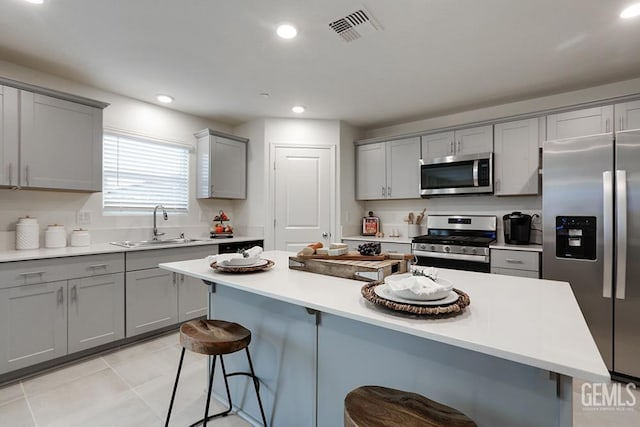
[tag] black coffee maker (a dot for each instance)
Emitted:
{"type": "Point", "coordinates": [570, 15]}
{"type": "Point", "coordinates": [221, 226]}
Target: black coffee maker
{"type": "Point", "coordinates": [517, 228]}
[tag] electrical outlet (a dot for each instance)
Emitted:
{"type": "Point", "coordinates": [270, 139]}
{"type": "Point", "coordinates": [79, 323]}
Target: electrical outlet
{"type": "Point", "coordinates": [83, 218]}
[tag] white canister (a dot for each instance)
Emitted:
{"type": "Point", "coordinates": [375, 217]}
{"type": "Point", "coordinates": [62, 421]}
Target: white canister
{"type": "Point", "coordinates": [55, 236]}
{"type": "Point", "coordinates": [27, 233]}
{"type": "Point", "coordinates": [80, 237]}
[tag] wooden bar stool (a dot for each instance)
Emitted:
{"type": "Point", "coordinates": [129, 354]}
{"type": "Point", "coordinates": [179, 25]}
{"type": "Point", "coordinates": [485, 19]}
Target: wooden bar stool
{"type": "Point", "coordinates": [374, 406]}
{"type": "Point", "coordinates": [216, 338]}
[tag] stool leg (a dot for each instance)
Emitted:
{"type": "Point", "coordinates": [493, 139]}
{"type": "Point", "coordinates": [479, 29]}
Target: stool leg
{"type": "Point", "coordinates": [206, 406]}
{"type": "Point", "coordinates": [175, 387]}
{"type": "Point", "coordinates": [256, 385]}
{"type": "Point", "coordinates": [226, 385]}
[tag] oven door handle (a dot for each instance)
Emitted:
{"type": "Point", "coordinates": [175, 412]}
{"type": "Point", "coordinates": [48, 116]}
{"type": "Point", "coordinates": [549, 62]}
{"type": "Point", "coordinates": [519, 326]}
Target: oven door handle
{"type": "Point", "coordinates": [475, 173]}
{"type": "Point", "coordinates": [463, 257]}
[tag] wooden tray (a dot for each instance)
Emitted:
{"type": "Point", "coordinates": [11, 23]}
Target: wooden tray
{"type": "Point", "coordinates": [241, 269]}
{"type": "Point", "coordinates": [437, 310]}
{"type": "Point", "coordinates": [367, 270]}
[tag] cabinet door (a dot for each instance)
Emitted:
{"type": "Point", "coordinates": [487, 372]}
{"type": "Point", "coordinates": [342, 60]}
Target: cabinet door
{"type": "Point", "coordinates": [437, 145]}
{"type": "Point", "coordinates": [60, 144]}
{"type": "Point", "coordinates": [474, 140]}
{"type": "Point", "coordinates": [627, 115]}
{"type": "Point", "coordinates": [228, 168]}
{"type": "Point", "coordinates": [96, 311]}
{"type": "Point", "coordinates": [8, 136]}
{"type": "Point", "coordinates": [151, 300]}
{"type": "Point", "coordinates": [371, 182]}
{"type": "Point", "coordinates": [516, 158]}
{"type": "Point", "coordinates": [403, 169]}
{"type": "Point", "coordinates": [589, 121]}
{"type": "Point", "coordinates": [192, 298]}
{"type": "Point", "coordinates": [33, 324]}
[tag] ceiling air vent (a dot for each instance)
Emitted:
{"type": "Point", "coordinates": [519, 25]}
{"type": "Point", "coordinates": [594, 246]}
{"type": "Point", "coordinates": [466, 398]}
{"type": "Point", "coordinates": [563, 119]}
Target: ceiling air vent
{"type": "Point", "coordinates": [355, 25]}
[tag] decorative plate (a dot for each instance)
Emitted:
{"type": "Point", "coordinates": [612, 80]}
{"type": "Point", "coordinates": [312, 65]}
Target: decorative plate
{"type": "Point", "coordinates": [243, 269]}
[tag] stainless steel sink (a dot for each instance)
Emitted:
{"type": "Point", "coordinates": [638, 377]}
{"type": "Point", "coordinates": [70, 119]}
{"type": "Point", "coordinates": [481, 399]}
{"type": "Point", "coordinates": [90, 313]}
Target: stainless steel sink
{"type": "Point", "coordinates": [158, 242]}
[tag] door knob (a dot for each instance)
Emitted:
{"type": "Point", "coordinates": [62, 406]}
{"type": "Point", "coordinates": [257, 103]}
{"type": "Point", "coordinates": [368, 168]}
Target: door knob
{"type": "Point", "coordinates": [326, 235]}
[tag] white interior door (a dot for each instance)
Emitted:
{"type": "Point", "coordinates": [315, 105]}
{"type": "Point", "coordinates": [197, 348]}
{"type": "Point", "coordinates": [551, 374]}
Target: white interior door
{"type": "Point", "coordinates": [304, 194]}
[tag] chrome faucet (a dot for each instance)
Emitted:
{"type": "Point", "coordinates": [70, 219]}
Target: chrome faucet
{"type": "Point", "coordinates": [155, 227]}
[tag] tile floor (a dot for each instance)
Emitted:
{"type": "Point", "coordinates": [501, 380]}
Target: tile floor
{"type": "Point", "coordinates": [132, 386]}
{"type": "Point", "coordinates": [128, 387]}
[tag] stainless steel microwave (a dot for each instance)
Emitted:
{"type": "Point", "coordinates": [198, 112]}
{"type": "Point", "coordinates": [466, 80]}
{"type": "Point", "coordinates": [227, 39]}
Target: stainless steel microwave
{"type": "Point", "coordinates": [468, 174]}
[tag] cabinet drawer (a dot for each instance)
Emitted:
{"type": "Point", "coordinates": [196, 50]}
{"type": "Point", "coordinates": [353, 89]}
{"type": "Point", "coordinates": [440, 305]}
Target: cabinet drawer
{"type": "Point", "coordinates": [400, 248]}
{"type": "Point", "coordinates": [52, 269]}
{"type": "Point", "coordinates": [142, 260]}
{"type": "Point", "coordinates": [518, 260]}
{"type": "Point", "coordinates": [514, 272]}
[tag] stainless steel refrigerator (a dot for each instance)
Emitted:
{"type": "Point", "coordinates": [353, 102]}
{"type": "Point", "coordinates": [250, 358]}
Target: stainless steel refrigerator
{"type": "Point", "coordinates": [591, 220]}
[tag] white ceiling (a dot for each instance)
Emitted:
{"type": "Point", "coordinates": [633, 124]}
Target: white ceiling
{"type": "Point", "coordinates": [433, 57]}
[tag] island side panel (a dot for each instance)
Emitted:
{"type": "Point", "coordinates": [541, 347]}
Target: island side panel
{"type": "Point", "coordinates": [492, 391]}
{"type": "Point", "coordinates": [283, 351]}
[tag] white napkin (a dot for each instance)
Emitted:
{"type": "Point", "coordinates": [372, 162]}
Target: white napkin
{"type": "Point", "coordinates": [222, 257]}
{"type": "Point", "coordinates": [419, 285]}
{"type": "Point", "coordinates": [253, 252]}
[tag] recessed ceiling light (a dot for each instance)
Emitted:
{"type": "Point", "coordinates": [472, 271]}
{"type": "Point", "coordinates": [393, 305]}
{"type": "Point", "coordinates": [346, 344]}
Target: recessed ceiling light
{"type": "Point", "coordinates": [35, 1]}
{"type": "Point", "coordinates": [631, 11]}
{"type": "Point", "coordinates": [165, 99]}
{"type": "Point", "coordinates": [286, 31]}
{"type": "Point", "coordinates": [298, 109]}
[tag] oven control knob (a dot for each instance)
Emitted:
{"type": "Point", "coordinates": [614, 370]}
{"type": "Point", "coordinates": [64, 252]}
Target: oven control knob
{"type": "Point", "coordinates": [447, 249]}
{"type": "Point", "coordinates": [473, 250]}
{"type": "Point", "coordinates": [432, 248]}
{"type": "Point", "coordinates": [464, 250]}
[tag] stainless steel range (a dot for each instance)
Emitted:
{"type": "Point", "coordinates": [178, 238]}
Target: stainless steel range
{"type": "Point", "coordinates": [458, 242]}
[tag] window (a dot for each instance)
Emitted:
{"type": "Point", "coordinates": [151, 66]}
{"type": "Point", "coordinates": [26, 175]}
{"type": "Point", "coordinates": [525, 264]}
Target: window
{"type": "Point", "coordinates": [140, 173]}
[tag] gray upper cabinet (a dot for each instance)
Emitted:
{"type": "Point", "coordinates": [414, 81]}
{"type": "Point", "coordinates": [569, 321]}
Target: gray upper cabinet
{"type": "Point", "coordinates": [516, 158]}
{"type": "Point", "coordinates": [60, 144]}
{"type": "Point", "coordinates": [221, 165]}
{"type": "Point", "coordinates": [8, 136]}
{"type": "Point", "coordinates": [388, 170]}
{"type": "Point", "coordinates": [627, 115]}
{"type": "Point", "coordinates": [50, 142]}
{"type": "Point", "coordinates": [588, 121]}
{"type": "Point", "coordinates": [459, 142]}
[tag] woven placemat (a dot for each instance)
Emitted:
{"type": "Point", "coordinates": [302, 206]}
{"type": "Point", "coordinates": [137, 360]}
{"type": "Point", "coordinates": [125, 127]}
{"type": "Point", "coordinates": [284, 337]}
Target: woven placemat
{"type": "Point", "coordinates": [432, 310]}
{"type": "Point", "coordinates": [239, 269]}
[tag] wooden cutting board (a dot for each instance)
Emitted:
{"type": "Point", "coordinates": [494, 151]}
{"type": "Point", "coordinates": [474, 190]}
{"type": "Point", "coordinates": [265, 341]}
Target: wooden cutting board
{"type": "Point", "coordinates": [350, 256]}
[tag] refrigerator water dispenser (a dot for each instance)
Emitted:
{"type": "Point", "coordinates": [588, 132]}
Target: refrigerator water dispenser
{"type": "Point", "coordinates": [576, 237]}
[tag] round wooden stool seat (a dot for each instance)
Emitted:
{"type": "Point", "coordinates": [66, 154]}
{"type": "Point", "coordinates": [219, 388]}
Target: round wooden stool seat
{"type": "Point", "coordinates": [374, 406]}
{"type": "Point", "coordinates": [214, 337]}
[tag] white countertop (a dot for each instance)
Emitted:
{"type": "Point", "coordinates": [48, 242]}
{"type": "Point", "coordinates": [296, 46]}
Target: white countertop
{"type": "Point", "coordinates": [530, 321]}
{"type": "Point", "coordinates": [528, 248]}
{"type": "Point", "coordinates": [103, 248]}
{"type": "Point", "coordinates": [380, 239]}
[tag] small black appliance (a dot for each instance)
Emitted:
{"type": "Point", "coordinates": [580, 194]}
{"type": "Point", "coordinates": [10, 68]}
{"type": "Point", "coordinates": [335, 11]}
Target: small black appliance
{"type": "Point", "coordinates": [517, 228]}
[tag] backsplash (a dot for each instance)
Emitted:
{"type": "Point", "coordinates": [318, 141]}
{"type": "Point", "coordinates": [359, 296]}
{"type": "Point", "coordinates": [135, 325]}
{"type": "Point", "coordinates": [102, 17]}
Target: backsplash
{"type": "Point", "coordinates": [63, 208]}
{"type": "Point", "coordinates": [392, 213]}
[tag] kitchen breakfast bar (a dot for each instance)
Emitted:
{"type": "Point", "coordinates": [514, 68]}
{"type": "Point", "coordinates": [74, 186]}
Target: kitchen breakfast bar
{"type": "Point", "coordinates": [509, 359]}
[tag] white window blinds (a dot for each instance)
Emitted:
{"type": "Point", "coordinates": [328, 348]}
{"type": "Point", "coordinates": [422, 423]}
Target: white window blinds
{"type": "Point", "coordinates": [140, 173]}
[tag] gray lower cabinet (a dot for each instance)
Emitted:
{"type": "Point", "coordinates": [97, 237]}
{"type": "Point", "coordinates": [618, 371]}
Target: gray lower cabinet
{"type": "Point", "coordinates": [156, 298]}
{"type": "Point", "coordinates": [95, 311]}
{"type": "Point", "coordinates": [192, 298]}
{"type": "Point", "coordinates": [515, 263]}
{"type": "Point", "coordinates": [152, 300]}
{"type": "Point", "coordinates": [33, 324]}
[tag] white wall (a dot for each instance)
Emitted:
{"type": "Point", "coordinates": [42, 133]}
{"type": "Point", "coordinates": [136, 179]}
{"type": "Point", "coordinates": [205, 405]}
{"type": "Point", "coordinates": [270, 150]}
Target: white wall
{"type": "Point", "coordinates": [256, 210]}
{"type": "Point", "coordinates": [350, 209]}
{"type": "Point", "coordinates": [125, 114]}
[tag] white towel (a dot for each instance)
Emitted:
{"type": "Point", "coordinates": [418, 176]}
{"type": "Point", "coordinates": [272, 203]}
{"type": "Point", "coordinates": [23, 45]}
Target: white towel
{"type": "Point", "coordinates": [253, 252]}
{"type": "Point", "coordinates": [222, 257]}
{"type": "Point", "coordinates": [420, 286]}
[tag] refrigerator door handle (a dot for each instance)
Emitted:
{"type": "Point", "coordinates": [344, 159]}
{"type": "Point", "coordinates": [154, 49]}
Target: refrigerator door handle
{"type": "Point", "coordinates": [621, 236]}
{"type": "Point", "coordinates": [607, 195]}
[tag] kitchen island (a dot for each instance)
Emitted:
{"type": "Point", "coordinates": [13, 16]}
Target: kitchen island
{"type": "Point", "coordinates": [508, 359]}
